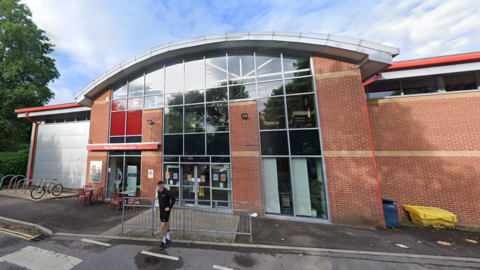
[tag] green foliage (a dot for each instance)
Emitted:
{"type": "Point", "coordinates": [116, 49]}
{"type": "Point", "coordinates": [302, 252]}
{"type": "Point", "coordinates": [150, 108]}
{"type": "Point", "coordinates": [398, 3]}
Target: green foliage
{"type": "Point", "coordinates": [25, 71]}
{"type": "Point", "coordinates": [14, 163]}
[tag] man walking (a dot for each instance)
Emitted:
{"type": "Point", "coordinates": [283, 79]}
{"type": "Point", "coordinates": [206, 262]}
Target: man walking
{"type": "Point", "coordinates": [166, 200]}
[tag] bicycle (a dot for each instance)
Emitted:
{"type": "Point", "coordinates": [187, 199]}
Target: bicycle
{"type": "Point", "coordinates": [51, 186]}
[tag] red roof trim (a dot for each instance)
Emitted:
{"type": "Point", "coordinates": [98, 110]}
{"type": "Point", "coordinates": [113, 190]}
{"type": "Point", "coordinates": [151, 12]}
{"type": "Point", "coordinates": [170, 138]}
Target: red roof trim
{"type": "Point", "coordinates": [48, 108]}
{"type": "Point", "coordinates": [435, 61]}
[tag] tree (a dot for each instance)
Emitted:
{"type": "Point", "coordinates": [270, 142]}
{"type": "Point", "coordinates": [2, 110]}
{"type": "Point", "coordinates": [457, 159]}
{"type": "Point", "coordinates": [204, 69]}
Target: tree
{"type": "Point", "coordinates": [25, 71]}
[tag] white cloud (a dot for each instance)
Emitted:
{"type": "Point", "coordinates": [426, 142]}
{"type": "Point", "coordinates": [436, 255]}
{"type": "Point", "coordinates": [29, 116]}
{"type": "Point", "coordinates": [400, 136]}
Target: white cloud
{"type": "Point", "coordinates": [93, 36]}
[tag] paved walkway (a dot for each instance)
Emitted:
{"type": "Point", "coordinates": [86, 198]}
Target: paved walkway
{"type": "Point", "coordinates": [26, 195]}
{"type": "Point", "coordinates": [60, 215]}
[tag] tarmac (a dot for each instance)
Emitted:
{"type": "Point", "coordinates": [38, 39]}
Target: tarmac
{"type": "Point", "coordinates": [63, 218]}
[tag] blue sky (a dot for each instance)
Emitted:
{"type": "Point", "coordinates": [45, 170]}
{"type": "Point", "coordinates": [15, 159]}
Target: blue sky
{"type": "Point", "coordinates": [92, 36]}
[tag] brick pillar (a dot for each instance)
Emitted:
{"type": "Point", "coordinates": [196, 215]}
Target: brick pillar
{"type": "Point", "coordinates": [246, 170]}
{"type": "Point", "coordinates": [99, 128]}
{"type": "Point", "coordinates": [152, 160]}
{"type": "Point", "coordinates": [352, 186]}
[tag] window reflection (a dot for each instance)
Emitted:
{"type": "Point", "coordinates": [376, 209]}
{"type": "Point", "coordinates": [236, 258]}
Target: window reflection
{"type": "Point", "coordinates": [269, 67]}
{"type": "Point", "coordinates": [173, 144]}
{"type": "Point", "coordinates": [195, 118]}
{"type": "Point", "coordinates": [217, 117]}
{"type": "Point", "coordinates": [119, 105]}
{"type": "Point", "coordinates": [271, 113]}
{"type": "Point", "coordinates": [120, 92]}
{"type": "Point", "coordinates": [301, 85]}
{"type": "Point", "coordinates": [296, 66]}
{"type": "Point", "coordinates": [301, 111]}
{"type": "Point", "coordinates": [460, 81]}
{"type": "Point", "coordinates": [242, 91]}
{"type": "Point", "coordinates": [268, 89]}
{"type": "Point", "coordinates": [194, 97]}
{"type": "Point", "coordinates": [384, 88]}
{"type": "Point", "coordinates": [135, 103]}
{"type": "Point", "coordinates": [305, 142]}
{"type": "Point", "coordinates": [174, 99]}
{"type": "Point", "coordinates": [217, 94]}
{"type": "Point", "coordinates": [174, 120]}
{"type": "Point", "coordinates": [155, 82]}
{"type": "Point", "coordinates": [174, 78]}
{"type": "Point", "coordinates": [216, 71]}
{"type": "Point", "coordinates": [195, 74]}
{"type": "Point", "coordinates": [419, 85]}
{"type": "Point", "coordinates": [135, 87]}
{"type": "Point", "coordinates": [153, 102]}
{"type": "Point", "coordinates": [241, 69]}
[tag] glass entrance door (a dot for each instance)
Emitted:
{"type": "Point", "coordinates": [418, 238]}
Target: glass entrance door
{"type": "Point", "coordinates": [196, 184]}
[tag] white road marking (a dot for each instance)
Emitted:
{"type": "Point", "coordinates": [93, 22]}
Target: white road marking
{"type": "Point", "coordinates": [40, 259]}
{"type": "Point", "coordinates": [95, 242]}
{"type": "Point", "coordinates": [221, 267]}
{"type": "Point", "coordinates": [159, 255]}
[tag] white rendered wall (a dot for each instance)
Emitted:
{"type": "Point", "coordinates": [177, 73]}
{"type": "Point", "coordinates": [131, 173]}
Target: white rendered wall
{"type": "Point", "coordinates": [61, 153]}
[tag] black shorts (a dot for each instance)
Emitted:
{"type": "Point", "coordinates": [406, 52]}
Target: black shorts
{"type": "Point", "coordinates": [164, 216]}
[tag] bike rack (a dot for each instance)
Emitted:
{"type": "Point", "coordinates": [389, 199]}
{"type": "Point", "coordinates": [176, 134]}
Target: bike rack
{"type": "Point", "coordinates": [18, 182]}
{"type": "Point", "coordinates": [1, 181]}
{"type": "Point", "coordinates": [25, 185]}
{"type": "Point", "coordinates": [14, 178]}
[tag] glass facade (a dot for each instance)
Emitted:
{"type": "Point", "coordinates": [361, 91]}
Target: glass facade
{"type": "Point", "coordinates": [195, 94]}
{"type": "Point", "coordinates": [125, 171]}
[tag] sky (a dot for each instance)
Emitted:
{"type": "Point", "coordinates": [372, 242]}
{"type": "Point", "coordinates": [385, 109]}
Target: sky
{"type": "Point", "coordinates": [92, 36]}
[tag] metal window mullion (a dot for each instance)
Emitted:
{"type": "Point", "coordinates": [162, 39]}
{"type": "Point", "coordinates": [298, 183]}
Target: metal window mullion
{"type": "Point", "coordinates": [477, 78]}
{"type": "Point", "coordinates": [288, 138]}
{"type": "Point", "coordinates": [401, 87]}
{"type": "Point", "coordinates": [325, 185]}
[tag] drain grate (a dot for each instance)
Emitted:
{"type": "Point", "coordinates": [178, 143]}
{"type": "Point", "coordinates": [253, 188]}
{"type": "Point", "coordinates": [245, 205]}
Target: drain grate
{"type": "Point", "coordinates": [40, 237]}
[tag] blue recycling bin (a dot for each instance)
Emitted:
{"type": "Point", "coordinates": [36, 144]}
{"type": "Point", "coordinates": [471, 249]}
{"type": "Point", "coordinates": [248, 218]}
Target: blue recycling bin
{"type": "Point", "coordinates": [390, 213]}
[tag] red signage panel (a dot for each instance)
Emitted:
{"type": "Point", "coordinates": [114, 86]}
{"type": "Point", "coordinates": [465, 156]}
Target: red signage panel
{"type": "Point", "coordinates": [123, 147]}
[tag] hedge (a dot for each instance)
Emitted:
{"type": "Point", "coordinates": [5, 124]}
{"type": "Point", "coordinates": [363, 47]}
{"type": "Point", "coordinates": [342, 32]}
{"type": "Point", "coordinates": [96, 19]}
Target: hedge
{"type": "Point", "coordinates": [13, 163]}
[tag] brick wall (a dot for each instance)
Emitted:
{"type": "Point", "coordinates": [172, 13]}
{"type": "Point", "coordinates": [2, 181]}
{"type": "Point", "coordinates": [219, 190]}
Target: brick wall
{"type": "Point", "coordinates": [246, 169]}
{"type": "Point", "coordinates": [428, 152]}
{"type": "Point", "coordinates": [99, 128]}
{"type": "Point", "coordinates": [352, 186]}
{"type": "Point", "coordinates": [152, 160]}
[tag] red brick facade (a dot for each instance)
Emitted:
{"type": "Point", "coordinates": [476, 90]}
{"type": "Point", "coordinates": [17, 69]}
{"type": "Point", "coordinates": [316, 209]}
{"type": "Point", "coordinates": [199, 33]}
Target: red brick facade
{"type": "Point", "coordinates": [152, 160]}
{"type": "Point", "coordinates": [246, 169]}
{"type": "Point", "coordinates": [427, 151]}
{"type": "Point", "coordinates": [99, 128]}
{"type": "Point", "coordinates": [352, 186]}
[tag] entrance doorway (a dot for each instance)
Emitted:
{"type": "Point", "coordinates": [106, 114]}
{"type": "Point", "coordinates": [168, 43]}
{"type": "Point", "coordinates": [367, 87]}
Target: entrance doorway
{"type": "Point", "coordinates": [196, 184]}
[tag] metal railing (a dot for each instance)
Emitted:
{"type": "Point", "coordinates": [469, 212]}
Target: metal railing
{"type": "Point", "coordinates": [216, 217]}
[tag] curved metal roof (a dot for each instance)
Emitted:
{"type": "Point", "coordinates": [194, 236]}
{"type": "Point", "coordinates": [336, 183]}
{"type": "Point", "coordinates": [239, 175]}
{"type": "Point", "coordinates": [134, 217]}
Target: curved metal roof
{"type": "Point", "coordinates": [371, 57]}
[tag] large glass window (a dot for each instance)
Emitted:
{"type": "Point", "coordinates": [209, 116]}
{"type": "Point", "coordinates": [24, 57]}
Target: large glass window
{"type": "Point", "coordinates": [274, 143]}
{"type": "Point", "coordinates": [300, 85]}
{"type": "Point", "coordinates": [296, 66]}
{"type": "Point", "coordinates": [243, 91]}
{"type": "Point", "coordinates": [153, 102]}
{"type": "Point", "coordinates": [174, 78]}
{"type": "Point", "coordinates": [195, 118]}
{"type": "Point", "coordinates": [194, 97]}
{"type": "Point", "coordinates": [217, 117]}
{"type": "Point", "coordinates": [309, 188]}
{"type": "Point", "coordinates": [173, 144]}
{"type": "Point", "coordinates": [155, 82]}
{"type": "Point", "coordinates": [304, 142]}
{"type": "Point", "coordinates": [277, 188]}
{"type": "Point", "coordinates": [174, 99]}
{"type": "Point", "coordinates": [173, 120]}
{"type": "Point", "coordinates": [195, 74]}
{"type": "Point", "coordinates": [195, 144]}
{"type": "Point", "coordinates": [268, 89]}
{"type": "Point", "coordinates": [271, 113]}
{"type": "Point", "coordinates": [301, 111]}
{"type": "Point", "coordinates": [241, 69]}
{"type": "Point", "coordinates": [218, 144]}
{"type": "Point", "coordinates": [217, 94]}
{"type": "Point", "coordinates": [269, 67]}
{"type": "Point", "coordinates": [216, 71]}
{"type": "Point", "coordinates": [120, 91]}
{"type": "Point", "coordinates": [135, 87]}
